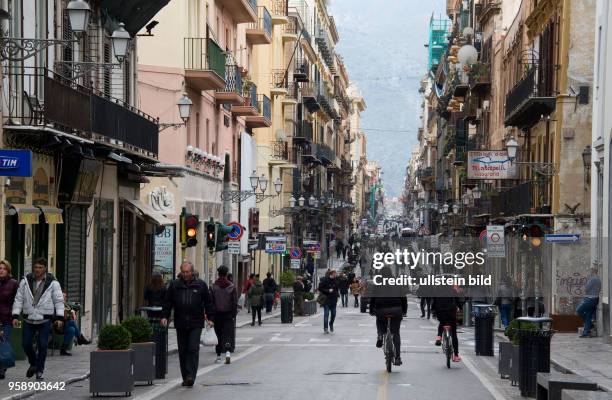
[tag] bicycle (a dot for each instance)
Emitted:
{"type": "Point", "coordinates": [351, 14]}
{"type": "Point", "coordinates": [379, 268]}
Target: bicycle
{"type": "Point", "coordinates": [388, 347]}
{"type": "Point", "coordinates": [447, 345]}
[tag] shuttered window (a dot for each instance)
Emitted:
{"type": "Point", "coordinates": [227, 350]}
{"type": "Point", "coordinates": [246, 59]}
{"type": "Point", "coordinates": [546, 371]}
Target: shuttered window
{"type": "Point", "coordinates": [75, 250]}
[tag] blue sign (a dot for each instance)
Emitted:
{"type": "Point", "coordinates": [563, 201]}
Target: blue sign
{"type": "Point", "coordinates": [237, 231]}
{"type": "Point", "coordinates": [562, 237]}
{"type": "Point", "coordinates": [16, 163]}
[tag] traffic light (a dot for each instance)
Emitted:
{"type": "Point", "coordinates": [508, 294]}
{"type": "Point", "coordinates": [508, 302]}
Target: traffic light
{"type": "Point", "coordinates": [222, 232]}
{"type": "Point", "coordinates": [532, 235]}
{"type": "Point", "coordinates": [211, 230]}
{"type": "Point", "coordinates": [191, 222]}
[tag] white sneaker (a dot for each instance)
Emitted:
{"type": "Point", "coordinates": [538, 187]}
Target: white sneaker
{"type": "Point", "coordinates": [228, 357]}
{"type": "Point", "coordinates": [218, 359]}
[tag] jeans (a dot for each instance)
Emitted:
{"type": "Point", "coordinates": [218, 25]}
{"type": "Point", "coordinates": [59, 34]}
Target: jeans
{"type": "Point", "coordinates": [329, 314]}
{"type": "Point", "coordinates": [381, 329]}
{"type": "Point", "coordinates": [256, 311]}
{"type": "Point", "coordinates": [505, 311]}
{"type": "Point", "coordinates": [269, 299]}
{"type": "Point", "coordinates": [7, 330]}
{"type": "Point", "coordinates": [344, 298]}
{"type": "Point", "coordinates": [356, 300]}
{"type": "Point", "coordinates": [586, 311]}
{"type": "Point", "coordinates": [43, 330]}
{"type": "Point", "coordinates": [71, 330]}
{"type": "Point", "coordinates": [224, 329]}
{"type": "Point", "coordinates": [188, 341]}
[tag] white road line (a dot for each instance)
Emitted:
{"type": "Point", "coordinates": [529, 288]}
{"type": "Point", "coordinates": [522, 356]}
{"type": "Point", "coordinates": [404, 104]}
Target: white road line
{"type": "Point", "coordinates": [335, 345]}
{"type": "Point", "coordinates": [313, 340]}
{"type": "Point", "coordinates": [280, 339]}
{"type": "Point", "coordinates": [428, 327]}
{"type": "Point", "coordinates": [485, 382]}
{"type": "Point", "coordinates": [360, 340]}
{"type": "Point", "coordinates": [244, 339]}
{"type": "Point", "coordinates": [366, 325]}
{"type": "Point", "coordinates": [165, 388]}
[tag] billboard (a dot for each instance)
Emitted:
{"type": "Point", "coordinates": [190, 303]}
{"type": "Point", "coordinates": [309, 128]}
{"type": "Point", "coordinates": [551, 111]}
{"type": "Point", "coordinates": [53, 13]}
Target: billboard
{"type": "Point", "coordinates": [490, 164]}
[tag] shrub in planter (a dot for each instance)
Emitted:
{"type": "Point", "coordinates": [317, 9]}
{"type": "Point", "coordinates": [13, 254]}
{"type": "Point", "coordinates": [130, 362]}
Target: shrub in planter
{"type": "Point", "coordinates": [512, 332]}
{"type": "Point", "coordinates": [144, 348]}
{"type": "Point", "coordinates": [308, 296]}
{"type": "Point", "coordinates": [287, 278]}
{"type": "Point", "coordinates": [111, 365]}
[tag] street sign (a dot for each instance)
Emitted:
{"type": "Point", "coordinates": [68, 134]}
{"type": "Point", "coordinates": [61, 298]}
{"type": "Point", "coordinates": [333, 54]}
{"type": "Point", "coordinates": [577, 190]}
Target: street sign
{"type": "Point", "coordinates": [295, 253]}
{"type": "Point", "coordinates": [233, 247]}
{"type": "Point", "coordinates": [310, 246]}
{"type": "Point", "coordinates": [296, 263]}
{"type": "Point", "coordinates": [276, 244]}
{"type": "Point", "coordinates": [15, 163]}
{"type": "Point", "coordinates": [496, 242]}
{"type": "Point", "coordinates": [237, 231]}
{"type": "Point", "coordinates": [563, 238]}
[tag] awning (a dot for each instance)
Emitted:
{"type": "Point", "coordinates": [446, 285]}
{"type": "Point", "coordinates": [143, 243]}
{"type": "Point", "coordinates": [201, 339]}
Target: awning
{"type": "Point", "coordinates": [148, 212]}
{"type": "Point", "coordinates": [52, 215]}
{"type": "Point", "coordinates": [26, 213]}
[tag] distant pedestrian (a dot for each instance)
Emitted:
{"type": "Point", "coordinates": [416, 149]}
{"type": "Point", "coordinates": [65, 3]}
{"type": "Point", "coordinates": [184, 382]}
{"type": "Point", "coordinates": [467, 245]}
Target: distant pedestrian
{"type": "Point", "coordinates": [225, 303]}
{"type": "Point", "coordinates": [310, 264]}
{"type": "Point", "coordinates": [356, 291]}
{"type": "Point", "coordinates": [190, 299]}
{"type": "Point", "coordinates": [328, 287]}
{"type": "Point", "coordinates": [343, 286]}
{"type": "Point", "coordinates": [247, 285]}
{"type": "Point", "coordinates": [256, 298]}
{"type": "Point", "coordinates": [345, 249]}
{"type": "Point", "coordinates": [154, 294]}
{"type": "Point", "coordinates": [339, 248]}
{"type": "Point", "coordinates": [41, 301]}
{"type": "Point", "coordinates": [426, 300]}
{"type": "Point", "coordinates": [270, 288]}
{"type": "Point", "coordinates": [298, 296]}
{"type": "Point", "coordinates": [587, 309]}
{"type": "Point", "coordinates": [505, 298]}
{"type": "Point", "coordinates": [8, 291]}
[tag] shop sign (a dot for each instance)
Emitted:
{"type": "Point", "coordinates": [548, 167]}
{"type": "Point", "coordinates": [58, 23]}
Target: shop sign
{"type": "Point", "coordinates": [164, 253]}
{"type": "Point", "coordinates": [15, 163]}
{"type": "Point", "coordinates": [490, 164]}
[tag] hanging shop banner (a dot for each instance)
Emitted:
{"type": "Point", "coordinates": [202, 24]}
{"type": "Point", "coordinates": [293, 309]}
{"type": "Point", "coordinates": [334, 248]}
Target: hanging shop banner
{"type": "Point", "coordinates": [164, 253]}
{"type": "Point", "coordinates": [15, 163]}
{"type": "Point", "coordinates": [490, 164]}
{"type": "Point", "coordinates": [276, 244]}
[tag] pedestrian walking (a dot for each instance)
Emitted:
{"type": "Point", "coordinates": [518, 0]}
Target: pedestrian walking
{"type": "Point", "coordinates": [587, 309]}
{"type": "Point", "coordinates": [310, 265]}
{"type": "Point", "coordinates": [154, 294]}
{"type": "Point", "coordinates": [8, 291]}
{"type": "Point", "coordinates": [426, 300]}
{"type": "Point", "coordinates": [345, 249]}
{"type": "Point", "coordinates": [298, 296]}
{"type": "Point", "coordinates": [339, 248]}
{"type": "Point", "coordinates": [256, 298]}
{"type": "Point", "coordinates": [328, 287]}
{"type": "Point", "coordinates": [225, 304]}
{"type": "Point", "coordinates": [247, 285]}
{"type": "Point", "coordinates": [505, 298]}
{"type": "Point", "coordinates": [343, 286]}
{"type": "Point", "coordinates": [270, 289]}
{"type": "Point", "coordinates": [41, 301]}
{"type": "Point", "coordinates": [356, 291]}
{"type": "Point", "coordinates": [190, 299]}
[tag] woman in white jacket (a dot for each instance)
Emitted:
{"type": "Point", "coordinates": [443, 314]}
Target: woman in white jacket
{"type": "Point", "coordinates": [40, 300]}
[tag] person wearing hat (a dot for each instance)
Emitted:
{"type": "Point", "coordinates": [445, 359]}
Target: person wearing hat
{"type": "Point", "coordinates": [225, 303]}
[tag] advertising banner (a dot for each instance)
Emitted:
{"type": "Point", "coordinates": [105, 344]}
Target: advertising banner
{"type": "Point", "coordinates": [490, 164]}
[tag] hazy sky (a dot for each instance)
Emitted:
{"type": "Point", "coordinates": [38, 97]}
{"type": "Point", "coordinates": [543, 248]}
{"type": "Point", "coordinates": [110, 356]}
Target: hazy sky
{"type": "Point", "coordinates": [382, 42]}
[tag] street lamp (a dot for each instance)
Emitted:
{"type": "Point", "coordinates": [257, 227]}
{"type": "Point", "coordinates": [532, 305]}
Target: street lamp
{"type": "Point", "coordinates": [466, 199]}
{"type": "Point", "coordinates": [586, 160]}
{"type": "Point", "coordinates": [512, 146]}
{"type": "Point", "coordinates": [120, 39]}
{"type": "Point", "coordinates": [301, 201]}
{"type": "Point", "coordinates": [476, 193]}
{"type": "Point", "coordinates": [78, 14]}
{"type": "Point", "coordinates": [278, 186]}
{"type": "Point", "coordinates": [292, 202]}
{"type": "Point", "coordinates": [254, 181]}
{"type": "Point", "coordinates": [455, 208]}
{"type": "Point", "coordinates": [263, 183]}
{"type": "Point", "coordinates": [311, 201]}
{"type": "Point", "coordinates": [184, 105]}
{"type": "Point", "coordinates": [445, 208]}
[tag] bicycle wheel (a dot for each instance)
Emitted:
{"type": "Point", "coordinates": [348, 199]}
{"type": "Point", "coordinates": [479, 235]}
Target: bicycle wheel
{"type": "Point", "coordinates": [389, 351]}
{"type": "Point", "coordinates": [448, 349]}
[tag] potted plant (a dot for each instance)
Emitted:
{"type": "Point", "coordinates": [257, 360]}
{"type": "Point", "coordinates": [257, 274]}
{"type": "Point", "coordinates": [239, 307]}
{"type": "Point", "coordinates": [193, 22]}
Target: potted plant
{"type": "Point", "coordinates": [110, 366]}
{"type": "Point", "coordinates": [287, 279]}
{"type": "Point", "coordinates": [144, 349]}
{"type": "Point", "coordinates": [310, 305]}
{"type": "Point", "coordinates": [509, 351]}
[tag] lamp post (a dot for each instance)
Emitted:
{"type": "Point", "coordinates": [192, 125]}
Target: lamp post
{"type": "Point", "coordinates": [237, 196]}
{"type": "Point", "coordinates": [79, 13]}
{"type": "Point", "coordinates": [586, 161]}
{"type": "Point", "coordinates": [120, 40]}
{"type": "Point", "coordinates": [542, 168]}
{"type": "Point", "coordinates": [184, 105]}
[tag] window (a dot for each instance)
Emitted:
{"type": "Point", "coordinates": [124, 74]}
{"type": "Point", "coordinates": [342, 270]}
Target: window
{"type": "Point", "coordinates": [197, 130]}
{"type": "Point", "coordinates": [208, 135]}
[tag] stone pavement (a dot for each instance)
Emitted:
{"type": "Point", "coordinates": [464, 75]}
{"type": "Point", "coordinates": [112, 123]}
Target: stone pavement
{"type": "Point", "coordinates": [76, 368]}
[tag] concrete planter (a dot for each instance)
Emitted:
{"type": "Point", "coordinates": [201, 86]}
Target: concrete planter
{"type": "Point", "coordinates": [144, 362]}
{"type": "Point", "coordinates": [310, 307]}
{"type": "Point", "coordinates": [110, 371]}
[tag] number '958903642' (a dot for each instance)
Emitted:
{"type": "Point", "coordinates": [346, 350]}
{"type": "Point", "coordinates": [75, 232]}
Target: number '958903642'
{"type": "Point", "coordinates": [23, 386]}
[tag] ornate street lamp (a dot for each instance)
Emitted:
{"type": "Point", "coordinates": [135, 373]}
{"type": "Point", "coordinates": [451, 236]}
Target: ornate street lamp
{"type": "Point", "coordinates": [263, 183]}
{"type": "Point", "coordinates": [292, 202]}
{"type": "Point", "coordinates": [184, 105]}
{"type": "Point", "coordinates": [301, 201]}
{"type": "Point", "coordinates": [455, 208]}
{"type": "Point", "coordinates": [311, 201]}
{"type": "Point", "coordinates": [476, 193]}
{"type": "Point", "coordinates": [254, 179]}
{"type": "Point", "coordinates": [120, 39]}
{"type": "Point", "coordinates": [278, 186]}
{"type": "Point", "coordinates": [512, 146]}
{"type": "Point", "coordinates": [78, 14]}
{"type": "Point", "coordinates": [445, 208]}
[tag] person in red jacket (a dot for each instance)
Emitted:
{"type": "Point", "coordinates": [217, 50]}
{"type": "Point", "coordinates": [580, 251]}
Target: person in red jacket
{"type": "Point", "coordinates": [247, 285]}
{"type": "Point", "coordinates": [8, 291]}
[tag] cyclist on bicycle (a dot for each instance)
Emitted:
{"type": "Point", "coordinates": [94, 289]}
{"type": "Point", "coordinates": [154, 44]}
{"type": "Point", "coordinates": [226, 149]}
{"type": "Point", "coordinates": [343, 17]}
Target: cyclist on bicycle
{"type": "Point", "coordinates": [444, 306]}
{"type": "Point", "coordinates": [394, 304]}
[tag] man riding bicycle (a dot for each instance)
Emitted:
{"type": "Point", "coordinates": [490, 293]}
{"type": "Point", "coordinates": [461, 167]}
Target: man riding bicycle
{"type": "Point", "coordinates": [394, 304]}
{"type": "Point", "coordinates": [445, 303]}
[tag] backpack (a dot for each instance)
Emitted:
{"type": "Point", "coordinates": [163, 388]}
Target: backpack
{"type": "Point", "coordinates": [223, 298]}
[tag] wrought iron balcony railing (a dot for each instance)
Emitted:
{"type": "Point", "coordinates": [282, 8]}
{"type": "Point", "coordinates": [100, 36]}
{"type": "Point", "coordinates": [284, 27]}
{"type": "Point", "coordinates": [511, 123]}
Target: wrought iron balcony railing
{"type": "Point", "coordinates": [280, 151]}
{"type": "Point", "coordinates": [528, 100]}
{"type": "Point", "coordinates": [204, 55]}
{"type": "Point", "coordinates": [233, 79]}
{"type": "Point", "coordinates": [264, 107]}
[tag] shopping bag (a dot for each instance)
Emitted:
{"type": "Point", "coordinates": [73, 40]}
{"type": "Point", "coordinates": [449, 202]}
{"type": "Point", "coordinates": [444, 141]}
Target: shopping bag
{"type": "Point", "coordinates": [241, 300]}
{"type": "Point", "coordinates": [7, 359]}
{"type": "Point", "coordinates": [210, 338]}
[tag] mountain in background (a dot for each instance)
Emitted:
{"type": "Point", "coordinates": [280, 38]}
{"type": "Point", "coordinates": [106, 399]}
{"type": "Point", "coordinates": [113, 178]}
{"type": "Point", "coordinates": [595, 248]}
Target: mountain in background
{"type": "Point", "coordinates": [382, 46]}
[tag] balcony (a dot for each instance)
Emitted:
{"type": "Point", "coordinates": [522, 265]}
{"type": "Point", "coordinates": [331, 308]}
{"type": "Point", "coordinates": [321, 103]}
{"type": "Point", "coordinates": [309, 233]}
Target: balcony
{"type": "Point", "coordinates": [302, 69]}
{"type": "Point", "coordinates": [527, 101]}
{"type": "Point", "coordinates": [279, 82]}
{"type": "Point", "coordinates": [279, 12]}
{"type": "Point", "coordinates": [240, 10]}
{"type": "Point", "coordinates": [260, 32]}
{"type": "Point", "coordinates": [291, 95]}
{"type": "Point", "coordinates": [310, 96]}
{"type": "Point", "coordinates": [280, 153]}
{"type": "Point", "coordinates": [480, 77]}
{"type": "Point", "coordinates": [249, 107]}
{"type": "Point", "coordinates": [290, 30]}
{"type": "Point", "coordinates": [488, 9]}
{"type": "Point", "coordinates": [263, 119]}
{"type": "Point", "coordinates": [204, 64]}
{"type": "Point", "coordinates": [41, 100]}
{"type": "Point", "coordinates": [514, 201]}
{"type": "Point", "coordinates": [326, 47]}
{"type": "Point", "coordinates": [303, 132]}
{"type": "Point", "coordinates": [326, 154]}
{"type": "Point", "coordinates": [232, 93]}
{"type": "Point", "coordinates": [427, 175]}
{"type": "Point", "coordinates": [309, 153]}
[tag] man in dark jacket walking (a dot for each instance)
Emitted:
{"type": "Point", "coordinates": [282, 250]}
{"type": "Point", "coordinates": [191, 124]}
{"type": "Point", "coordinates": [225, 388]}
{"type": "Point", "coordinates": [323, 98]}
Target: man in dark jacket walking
{"type": "Point", "coordinates": [343, 286]}
{"type": "Point", "coordinates": [189, 297]}
{"type": "Point", "coordinates": [328, 287]}
{"type": "Point", "coordinates": [225, 304]}
{"type": "Point", "coordinates": [270, 288]}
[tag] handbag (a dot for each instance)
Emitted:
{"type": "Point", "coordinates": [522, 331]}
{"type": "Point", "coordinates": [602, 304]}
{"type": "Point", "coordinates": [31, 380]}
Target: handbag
{"type": "Point", "coordinates": [322, 299]}
{"type": "Point", "coordinates": [210, 338]}
{"type": "Point", "coordinates": [7, 359]}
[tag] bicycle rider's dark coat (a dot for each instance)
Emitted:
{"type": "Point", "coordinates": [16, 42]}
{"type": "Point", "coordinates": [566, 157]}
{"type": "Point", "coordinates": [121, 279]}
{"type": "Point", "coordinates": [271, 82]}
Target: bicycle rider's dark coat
{"type": "Point", "coordinates": [390, 305]}
{"type": "Point", "coordinates": [190, 301]}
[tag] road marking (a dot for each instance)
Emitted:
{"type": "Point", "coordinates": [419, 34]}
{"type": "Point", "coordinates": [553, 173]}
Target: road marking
{"type": "Point", "coordinates": [313, 340]}
{"type": "Point", "coordinates": [165, 388]}
{"type": "Point", "coordinates": [280, 339]}
{"type": "Point", "coordinates": [366, 325]}
{"type": "Point", "coordinates": [382, 388]}
{"type": "Point", "coordinates": [428, 327]}
{"type": "Point", "coordinates": [360, 340]}
{"type": "Point", "coordinates": [485, 382]}
{"type": "Point", "coordinates": [244, 339]}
